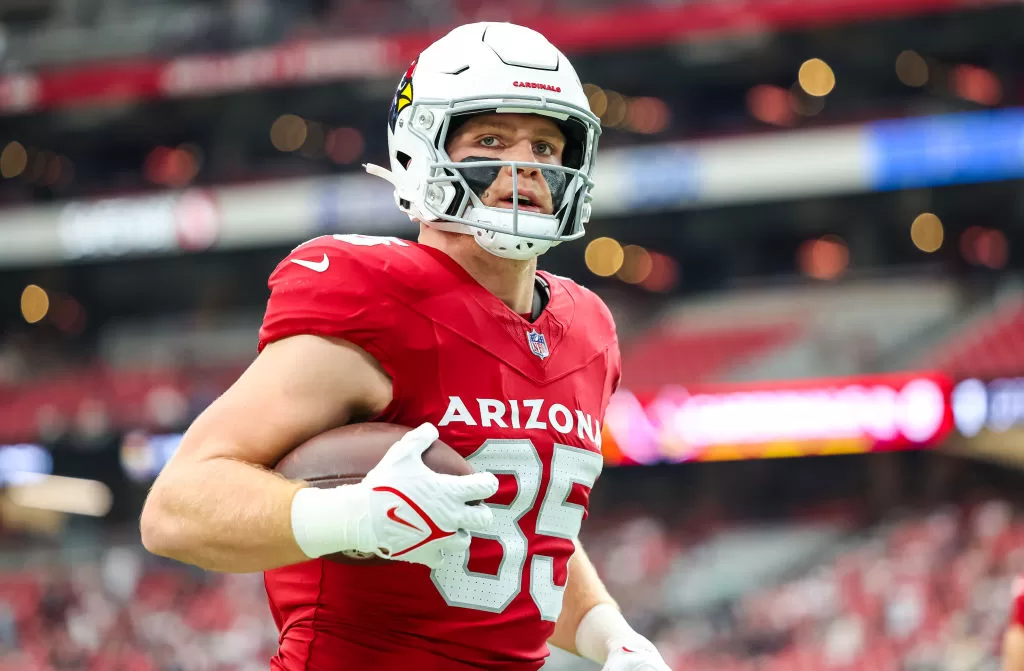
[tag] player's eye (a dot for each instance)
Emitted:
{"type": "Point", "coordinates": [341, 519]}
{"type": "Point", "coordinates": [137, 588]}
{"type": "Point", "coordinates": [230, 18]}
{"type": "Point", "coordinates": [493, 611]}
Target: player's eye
{"type": "Point", "coordinates": [543, 149]}
{"type": "Point", "coordinates": [489, 141]}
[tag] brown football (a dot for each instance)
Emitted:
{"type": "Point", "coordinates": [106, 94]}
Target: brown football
{"type": "Point", "coordinates": [345, 455]}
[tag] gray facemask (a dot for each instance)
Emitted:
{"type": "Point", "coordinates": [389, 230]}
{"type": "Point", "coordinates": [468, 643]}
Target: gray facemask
{"type": "Point", "coordinates": [480, 179]}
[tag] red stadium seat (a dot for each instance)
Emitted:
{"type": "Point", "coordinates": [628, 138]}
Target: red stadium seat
{"type": "Point", "coordinates": [671, 356]}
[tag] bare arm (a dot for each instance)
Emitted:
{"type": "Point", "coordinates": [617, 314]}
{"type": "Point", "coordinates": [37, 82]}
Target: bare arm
{"type": "Point", "coordinates": [1013, 648]}
{"type": "Point", "coordinates": [216, 504]}
{"type": "Point", "coordinates": [583, 591]}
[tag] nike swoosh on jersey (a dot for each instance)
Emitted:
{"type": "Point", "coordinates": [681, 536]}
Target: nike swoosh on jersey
{"type": "Point", "coordinates": [393, 516]}
{"type": "Point", "coordinates": [316, 266]}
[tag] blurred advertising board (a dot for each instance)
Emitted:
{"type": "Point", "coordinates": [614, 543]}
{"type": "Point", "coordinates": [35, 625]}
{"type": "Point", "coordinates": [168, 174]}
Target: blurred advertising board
{"type": "Point", "coordinates": [785, 419]}
{"type": "Point", "coordinates": [725, 422]}
{"type": "Point", "coordinates": [23, 462]}
{"type": "Point", "coordinates": [994, 405]}
{"type": "Point", "coordinates": [989, 418]}
{"type": "Point", "coordinates": [281, 212]}
{"type": "Point", "coordinates": [903, 153]}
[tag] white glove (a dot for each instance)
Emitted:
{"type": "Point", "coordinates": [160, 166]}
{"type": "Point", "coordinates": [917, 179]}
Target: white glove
{"type": "Point", "coordinates": [401, 510]}
{"type": "Point", "coordinates": [605, 637]}
{"type": "Point", "coordinates": [637, 658]}
{"type": "Point", "coordinates": [418, 514]}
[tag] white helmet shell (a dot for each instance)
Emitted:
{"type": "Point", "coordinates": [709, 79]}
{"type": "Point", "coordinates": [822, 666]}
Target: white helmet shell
{"type": "Point", "coordinates": [480, 68]}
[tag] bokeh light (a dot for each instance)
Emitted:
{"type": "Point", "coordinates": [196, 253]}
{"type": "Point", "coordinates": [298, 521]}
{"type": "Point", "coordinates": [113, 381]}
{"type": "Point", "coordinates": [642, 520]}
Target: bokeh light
{"type": "Point", "coordinates": [992, 250]}
{"type": "Point", "coordinates": [344, 145]}
{"type": "Point", "coordinates": [770, 104]}
{"type": "Point", "coordinates": [604, 256]}
{"type": "Point", "coordinates": [37, 163]}
{"type": "Point", "coordinates": [816, 77]}
{"type": "Point", "coordinates": [35, 303]}
{"type": "Point", "coordinates": [13, 160]}
{"type": "Point", "coordinates": [67, 174]}
{"type": "Point", "coordinates": [969, 244]}
{"type": "Point", "coordinates": [926, 232]}
{"type": "Point", "coordinates": [288, 132]}
{"type": "Point", "coordinates": [982, 246]}
{"type": "Point", "coordinates": [664, 273]}
{"type": "Point", "coordinates": [313, 145]}
{"type": "Point", "coordinates": [52, 174]}
{"type": "Point", "coordinates": [824, 258]}
{"type": "Point", "coordinates": [615, 113]}
{"type": "Point", "coordinates": [597, 99]}
{"type": "Point", "coordinates": [68, 315]}
{"type": "Point", "coordinates": [912, 69]}
{"type": "Point", "coordinates": [976, 84]}
{"type": "Point", "coordinates": [172, 166]}
{"type": "Point", "coordinates": [647, 115]}
{"type": "Point", "coordinates": [803, 104]}
{"type": "Point", "coordinates": [636, 264]}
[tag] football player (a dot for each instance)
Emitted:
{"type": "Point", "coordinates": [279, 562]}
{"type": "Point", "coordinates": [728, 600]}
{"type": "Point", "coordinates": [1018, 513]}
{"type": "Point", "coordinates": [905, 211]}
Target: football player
{"type": "Point", "coordinates": [492, 146]}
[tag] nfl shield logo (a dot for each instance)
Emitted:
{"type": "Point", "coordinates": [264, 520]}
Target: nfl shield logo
{"type": "Point", "coordinates": [538, 345]}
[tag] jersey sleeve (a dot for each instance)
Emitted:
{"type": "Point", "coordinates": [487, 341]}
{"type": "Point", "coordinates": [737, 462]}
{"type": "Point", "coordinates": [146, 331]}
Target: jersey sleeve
{"type": "Point", "coordinates": [323, 289]}
{"type": "Point", "coordinates": [605, 322]}
{"type": "Point", "coordinates": [614, 366]}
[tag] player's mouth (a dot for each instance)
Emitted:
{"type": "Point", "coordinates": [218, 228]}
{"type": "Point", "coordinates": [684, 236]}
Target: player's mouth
{"type": "Point", "coordinates": [526, 203]}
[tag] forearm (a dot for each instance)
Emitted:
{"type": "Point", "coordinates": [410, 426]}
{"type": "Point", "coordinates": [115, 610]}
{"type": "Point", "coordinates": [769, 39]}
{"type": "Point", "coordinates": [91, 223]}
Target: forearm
{"type": "Point", "coordinates": [591, 625]}
{"type": "Point", "coordinates": [222, 515]}
{"type": "Point", "coordinates": [1013, 649]}
{"type": "Point", "coordinates": [583, 591]}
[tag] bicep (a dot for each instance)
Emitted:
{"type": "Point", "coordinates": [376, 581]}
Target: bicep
{"type": "Point", "coordinates": [297, 388]}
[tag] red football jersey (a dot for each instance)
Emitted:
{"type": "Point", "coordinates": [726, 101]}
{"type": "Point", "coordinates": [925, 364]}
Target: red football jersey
{"type": "Point", "coordinates": [524, 400]}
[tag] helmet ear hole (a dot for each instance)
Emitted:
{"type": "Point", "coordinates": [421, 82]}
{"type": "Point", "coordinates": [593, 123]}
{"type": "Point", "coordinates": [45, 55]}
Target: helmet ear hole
{"type": "Point", "coordinates": [403, 159]}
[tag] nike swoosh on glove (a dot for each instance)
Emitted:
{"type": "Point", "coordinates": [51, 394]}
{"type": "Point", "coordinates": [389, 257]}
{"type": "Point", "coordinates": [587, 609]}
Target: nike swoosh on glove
{"type": "Point", "coordinates": [418, 515]}
{"type": "Point", "coordinates": [626, 658]}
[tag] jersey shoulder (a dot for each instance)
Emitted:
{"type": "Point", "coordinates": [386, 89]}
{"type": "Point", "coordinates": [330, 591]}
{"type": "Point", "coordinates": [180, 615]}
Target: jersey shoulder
{"type": "Point", "coordinates": [352, 256]}
{"type": "Point", "coordinates": [341, 286]}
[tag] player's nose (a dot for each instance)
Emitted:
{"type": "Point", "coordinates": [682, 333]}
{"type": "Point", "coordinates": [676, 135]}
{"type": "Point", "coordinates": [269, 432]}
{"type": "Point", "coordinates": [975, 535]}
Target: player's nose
{"type": "Point", "coordinates": [521, 151]}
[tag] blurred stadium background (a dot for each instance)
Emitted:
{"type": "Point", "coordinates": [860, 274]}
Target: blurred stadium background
{"type": "Point", "coordinates": [809, 224]}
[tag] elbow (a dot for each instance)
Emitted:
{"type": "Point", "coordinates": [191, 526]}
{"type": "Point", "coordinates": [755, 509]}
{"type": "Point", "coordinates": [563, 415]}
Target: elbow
{"type": "Point", "coordinates": [160, 531]}
{"type": "Point", "coordinates": [153, 528]}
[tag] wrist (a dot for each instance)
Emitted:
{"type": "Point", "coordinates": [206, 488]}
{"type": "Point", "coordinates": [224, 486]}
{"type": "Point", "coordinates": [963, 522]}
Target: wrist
{"type": "Point", "coordinates": [325, 521]}
{"type": "Point", "coordinates": [603, 630]}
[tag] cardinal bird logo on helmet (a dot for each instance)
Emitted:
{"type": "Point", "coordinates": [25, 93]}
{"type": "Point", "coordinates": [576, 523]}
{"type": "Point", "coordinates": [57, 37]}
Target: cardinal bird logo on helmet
{"type": "Point", "coordinates": [403, 95]}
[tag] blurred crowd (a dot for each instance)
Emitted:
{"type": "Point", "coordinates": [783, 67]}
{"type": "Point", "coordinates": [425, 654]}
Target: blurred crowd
{"type": "Point", "coordinates": [926, 592]}
{"type": "Point", "coordinates": [124, 612]}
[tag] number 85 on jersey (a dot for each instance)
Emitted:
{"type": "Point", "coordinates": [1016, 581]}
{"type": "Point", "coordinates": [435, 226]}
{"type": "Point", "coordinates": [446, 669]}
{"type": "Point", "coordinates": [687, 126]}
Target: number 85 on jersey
{"type": "Point", "coordinates": [556, 518]}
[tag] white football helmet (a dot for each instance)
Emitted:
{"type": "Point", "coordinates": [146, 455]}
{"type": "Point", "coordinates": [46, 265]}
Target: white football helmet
{"type": "Point", "coordinates": [481, 68]}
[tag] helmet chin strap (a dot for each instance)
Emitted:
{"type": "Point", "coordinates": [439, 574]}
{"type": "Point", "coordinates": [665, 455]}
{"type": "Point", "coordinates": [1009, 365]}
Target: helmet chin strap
{"type": "Point", "coordinates": [383, 173]}
{"type": "Point", "coordinates": [450, 226]}
{"type": "Point", "coordinates": [421, 217]}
